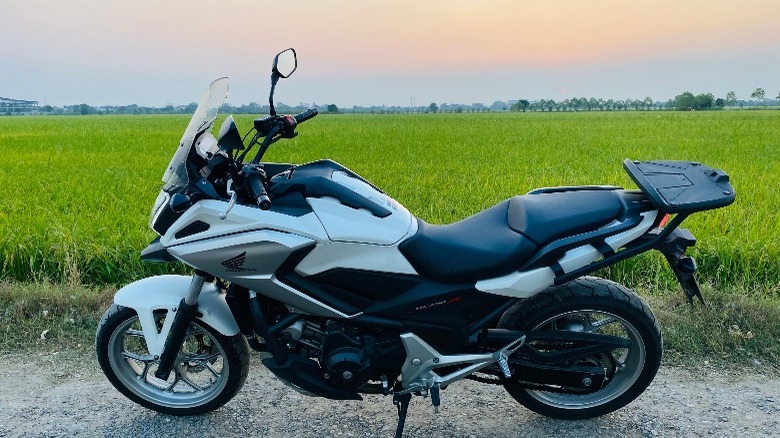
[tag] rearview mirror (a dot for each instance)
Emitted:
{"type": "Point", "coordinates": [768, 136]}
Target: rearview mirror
{"type": "Point", "coordinates": [285, 63]}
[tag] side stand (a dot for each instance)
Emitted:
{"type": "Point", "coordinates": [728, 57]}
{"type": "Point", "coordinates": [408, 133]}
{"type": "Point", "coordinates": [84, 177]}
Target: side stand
{"type": "Point", "coordinates": [401, 401]}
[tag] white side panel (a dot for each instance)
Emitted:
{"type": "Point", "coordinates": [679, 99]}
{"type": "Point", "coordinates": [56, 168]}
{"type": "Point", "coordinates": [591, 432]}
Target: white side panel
{"type": "Point", "coordinates": [164, 292]}
{"type": "Point", "coordinates": [355, 256]}
{"type": "Point", "coordinates": [578, 257]}
{"type": "Point", "coordinates": [621, 239]}
{"type": "Point", "coordinates": [518, 284]}
{"type": "Point", "coordinates": [346, 224]}
{"type": "Point", "coordinates": [529, 283]}
{"type": "Point", "coordinates": [241, 218]}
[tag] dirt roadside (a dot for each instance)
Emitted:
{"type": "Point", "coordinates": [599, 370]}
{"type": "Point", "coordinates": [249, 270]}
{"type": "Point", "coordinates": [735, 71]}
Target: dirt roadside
{"type": "Point", "coordinates": [43, 394]}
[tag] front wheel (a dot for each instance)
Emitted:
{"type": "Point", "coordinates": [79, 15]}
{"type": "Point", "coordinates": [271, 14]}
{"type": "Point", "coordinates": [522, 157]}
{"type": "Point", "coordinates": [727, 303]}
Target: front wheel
{"type": "Point", "coordinates": [209, 370]}
{"type": "Point", "coordinates": [591, 305]}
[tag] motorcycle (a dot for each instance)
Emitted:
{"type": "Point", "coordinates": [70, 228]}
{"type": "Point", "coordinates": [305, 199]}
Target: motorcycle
{"type": "Point", "coordinates": [343, 292]}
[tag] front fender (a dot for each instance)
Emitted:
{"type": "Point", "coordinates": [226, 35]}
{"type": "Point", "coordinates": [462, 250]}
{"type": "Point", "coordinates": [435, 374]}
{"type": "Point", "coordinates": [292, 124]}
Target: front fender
{"type": "Point", "coordinates": [165, 292]}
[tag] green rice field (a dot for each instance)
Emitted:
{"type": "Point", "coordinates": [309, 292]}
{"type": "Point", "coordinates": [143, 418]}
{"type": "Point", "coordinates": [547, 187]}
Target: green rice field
{"type": "Point", "coordinates": [75, 191]}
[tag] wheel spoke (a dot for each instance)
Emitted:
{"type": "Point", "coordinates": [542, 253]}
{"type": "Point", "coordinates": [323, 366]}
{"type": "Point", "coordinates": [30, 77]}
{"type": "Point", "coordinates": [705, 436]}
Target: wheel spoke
{"type": "Point", "coordinates": [173, 385]}
{"type": "Point", "coordinates": [189, 382]}
{"type": "Point", "coordinates": [199, 357]}
{"type": "Point", "coordinates": [211, 368]}
{"type": "Point", "coordinates": [601, 323]}
{"type": "Point", "coordinates": [214, 356]}
{"type": "Point", "coordinates": [138, 357]}
{"type": "Point", "coordinates": [145, 371]}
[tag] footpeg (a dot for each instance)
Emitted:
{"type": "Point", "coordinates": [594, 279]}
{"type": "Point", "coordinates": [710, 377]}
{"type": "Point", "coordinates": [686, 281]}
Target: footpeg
{"type": "Point", "coordinates": [502, 355]}
{"type": "Point", "coordinates": [502, 362]}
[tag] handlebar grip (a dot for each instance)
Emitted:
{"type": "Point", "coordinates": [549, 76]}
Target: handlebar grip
{"type": "Point", "coordinates": [264, 201]}
{"type": "Point", "coordinates": [306, 115]}
{"type": "Point", "coordinates": [257, 189]}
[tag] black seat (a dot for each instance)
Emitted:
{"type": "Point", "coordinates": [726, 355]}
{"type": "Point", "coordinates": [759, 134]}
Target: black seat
{"type": "Point", "coordinates": [549, 216]}
{"type": "Point", "coordinates": [498, 240]}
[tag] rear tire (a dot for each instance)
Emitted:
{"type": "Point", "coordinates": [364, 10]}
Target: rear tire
{"type": "Point", "coordinates": [209, 371]}
{"type": "Point", "coordinates": [598, 306]}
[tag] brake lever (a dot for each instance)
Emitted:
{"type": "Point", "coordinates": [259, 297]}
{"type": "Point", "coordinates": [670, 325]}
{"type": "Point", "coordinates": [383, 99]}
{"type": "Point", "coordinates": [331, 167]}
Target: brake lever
{"type": "Point", "coordinates": [232, 202]}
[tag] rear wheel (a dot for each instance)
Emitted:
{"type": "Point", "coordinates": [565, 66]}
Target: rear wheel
{"type": "Point", "coordinates": [591, 305]}
{"type": "Point", "coordinates": [209, 370]}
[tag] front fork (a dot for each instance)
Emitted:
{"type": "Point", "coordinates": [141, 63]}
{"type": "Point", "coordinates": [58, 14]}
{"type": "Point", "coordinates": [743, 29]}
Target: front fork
{"type": "Point", "coordinates": [184, 315]}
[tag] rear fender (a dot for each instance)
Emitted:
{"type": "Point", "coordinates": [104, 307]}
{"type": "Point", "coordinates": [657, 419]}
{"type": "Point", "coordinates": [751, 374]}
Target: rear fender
{"type": "Point", "coordinates": [164, 293]}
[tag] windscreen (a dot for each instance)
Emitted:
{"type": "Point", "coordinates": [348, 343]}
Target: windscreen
{"type": "Point", "coordinates": [202, 120]}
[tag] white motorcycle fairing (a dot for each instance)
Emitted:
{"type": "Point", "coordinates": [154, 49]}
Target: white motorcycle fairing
{"type": "Point", "coordinates": [164, 293]}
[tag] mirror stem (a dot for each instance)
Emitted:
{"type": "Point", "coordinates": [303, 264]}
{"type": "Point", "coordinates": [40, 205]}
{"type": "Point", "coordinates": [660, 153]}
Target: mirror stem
{"type": "Point", "coordinates": [274, 80]}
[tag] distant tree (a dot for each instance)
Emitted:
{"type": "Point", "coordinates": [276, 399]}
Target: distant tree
{"type": "Point", "coordinates": [433, 107]}
{"type": "Point", "coordinates": [731, 98]}
{"type": "Point", "coordinates": [758, 94]}
{"type": "Point", "coordinates": [47, 108]}
{"type": "Point", "coordinates": [704, 101]}
{"type": "Point", "coordinates": [648, 102]}
{"type": "Point", "coordinates": [720, 103]}
{"type": "Point", "coordinates": [778, 97]}
{"type": "Point", "coordinates": [85, 109]}
{"type": "Point", "coordinates": [525, 104]}
{"type": "Point", "coordinates": [520, 105]}
{"type": "Point", "coordinates": [685, 101]}
{"type": "Point", "coordinates": [332, 108]}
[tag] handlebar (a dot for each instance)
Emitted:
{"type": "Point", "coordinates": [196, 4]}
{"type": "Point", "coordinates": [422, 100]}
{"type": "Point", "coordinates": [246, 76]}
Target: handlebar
{"type": "Point", "coordinates": [305, 115]}
{"type": "Point", "coordinates": [273, 128]}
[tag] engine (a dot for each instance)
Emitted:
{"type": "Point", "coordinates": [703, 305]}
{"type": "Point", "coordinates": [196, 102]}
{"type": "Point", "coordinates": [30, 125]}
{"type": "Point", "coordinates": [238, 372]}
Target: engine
{"type": "Point", "coordinates": [345, 361]}
{"type": "Point", "coordinates": [349, 357]}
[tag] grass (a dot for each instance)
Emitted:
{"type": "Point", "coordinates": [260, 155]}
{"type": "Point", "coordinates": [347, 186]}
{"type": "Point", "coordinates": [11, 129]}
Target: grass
{"type": "Point", "coordinates": [44, 314]}
{"type": "Point", "coordinates": [735, 329]}
{"type": "Point", "coordinates": [75, 194]}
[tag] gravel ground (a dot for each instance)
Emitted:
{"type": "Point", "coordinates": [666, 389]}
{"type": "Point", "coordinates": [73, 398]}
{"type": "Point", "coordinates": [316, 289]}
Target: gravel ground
{"type": "Point", "coordinates": [44, 394]}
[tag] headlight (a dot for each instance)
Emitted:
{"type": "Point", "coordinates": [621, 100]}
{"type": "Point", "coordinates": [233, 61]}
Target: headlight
{"type": "Point", "coordinates": [159, 203]}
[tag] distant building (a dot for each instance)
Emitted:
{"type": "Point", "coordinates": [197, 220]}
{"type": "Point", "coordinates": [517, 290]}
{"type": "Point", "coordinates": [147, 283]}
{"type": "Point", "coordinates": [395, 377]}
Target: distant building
{"type": "Point", "coordinates": [15, 106]}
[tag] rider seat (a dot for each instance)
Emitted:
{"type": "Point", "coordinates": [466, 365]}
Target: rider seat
{"type": "Point", "coordinates": [498, 240]}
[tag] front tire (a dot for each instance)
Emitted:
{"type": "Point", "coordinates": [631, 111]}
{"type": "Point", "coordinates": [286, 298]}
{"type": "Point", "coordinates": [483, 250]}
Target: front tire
{"type": "Point", "coordinates": [598, 306]}
{"type": "Point", "coordinates": [209, 370]}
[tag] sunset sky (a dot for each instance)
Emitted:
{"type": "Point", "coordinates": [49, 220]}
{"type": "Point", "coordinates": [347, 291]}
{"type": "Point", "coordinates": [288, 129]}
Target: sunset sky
{"type": "Point", "coordinates": [384, 52]}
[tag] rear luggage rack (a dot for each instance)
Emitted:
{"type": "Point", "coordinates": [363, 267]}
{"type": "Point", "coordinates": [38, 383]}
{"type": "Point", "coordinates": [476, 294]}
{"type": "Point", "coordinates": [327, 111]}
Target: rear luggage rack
{"type": "Point", "coordinates": [681, 186]}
